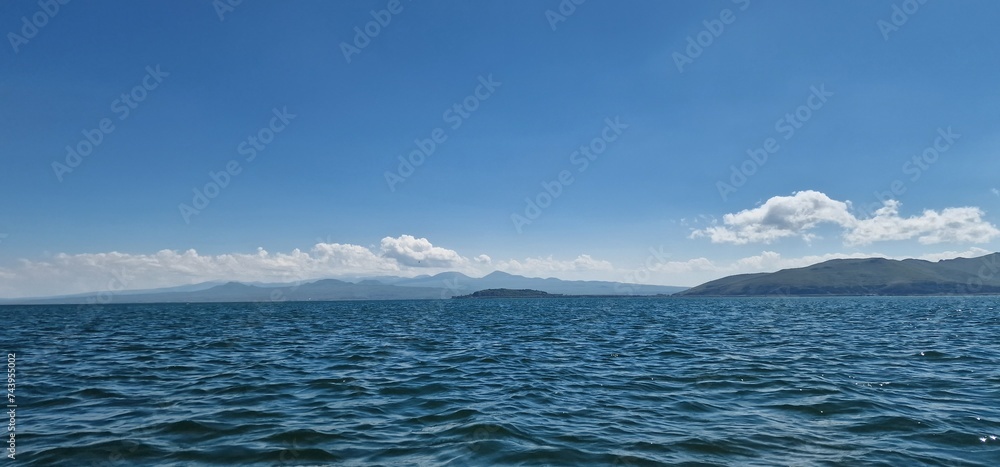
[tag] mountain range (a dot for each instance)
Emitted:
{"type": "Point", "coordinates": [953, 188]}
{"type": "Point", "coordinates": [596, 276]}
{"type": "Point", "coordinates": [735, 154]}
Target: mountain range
{"type": "Point", "coordinates": [444, 285]}
{"type": "Point", "coordinates": [872, 276]}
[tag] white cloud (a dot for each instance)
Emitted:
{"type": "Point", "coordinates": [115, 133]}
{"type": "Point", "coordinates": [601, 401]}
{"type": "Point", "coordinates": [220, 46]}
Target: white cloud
{"type": "Point", "coordinates": [798, 215]}
{"type": "Point", "coordinates": [699, 270]}
{"type": "Point", "coordinates": [951, 225]}
{"type": "Point", "coordinates": [995, 191]}
{"type": "Point", "coordinates": [418, 252]}
{"type": "Point", "coordinates": [767, 261]}
{"type": "Point", "coordinates": [78, 273]}
{"type": "Point", "coordinates": [683, 267]}
{"type": "Point", "coordinates": [772, 261]}
{"type": "Point", "coordinates": [88, 272]}
{"type": "Point", "coordinates": [545, 267]}
{"type": "Point", "coordinates": [405, 256]}
{"type": "Point", "coordinates": [973, 252]}
{"type": "Point", "coordinates": [779, 217]}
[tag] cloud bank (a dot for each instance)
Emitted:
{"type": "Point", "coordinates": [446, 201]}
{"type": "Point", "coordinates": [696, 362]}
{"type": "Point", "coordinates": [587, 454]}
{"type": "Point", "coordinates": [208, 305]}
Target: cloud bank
{"type": "Point", "coordinates": [548, 266]}
{"type": "Point", "coordinates": [800, 214]}
{"type": "Point", "coordinates": [79, 273]}
{"type": "Point", "coordinates": [405, 256]}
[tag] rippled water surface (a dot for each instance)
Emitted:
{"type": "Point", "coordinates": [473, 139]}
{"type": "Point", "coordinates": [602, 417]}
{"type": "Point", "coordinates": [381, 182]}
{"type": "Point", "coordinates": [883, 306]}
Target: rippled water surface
{"type": "Point", "coordinates": [853, 381]}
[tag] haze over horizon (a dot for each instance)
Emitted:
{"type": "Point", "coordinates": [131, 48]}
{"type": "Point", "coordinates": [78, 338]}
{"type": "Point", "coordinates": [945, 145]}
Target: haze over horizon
{"type": "Point", "coordinates": [149, 145]}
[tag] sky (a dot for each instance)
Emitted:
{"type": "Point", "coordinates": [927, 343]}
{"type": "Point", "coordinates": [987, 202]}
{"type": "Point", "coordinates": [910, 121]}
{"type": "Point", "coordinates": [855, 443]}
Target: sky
{"type": "Point", "coordinates": [152, 144]}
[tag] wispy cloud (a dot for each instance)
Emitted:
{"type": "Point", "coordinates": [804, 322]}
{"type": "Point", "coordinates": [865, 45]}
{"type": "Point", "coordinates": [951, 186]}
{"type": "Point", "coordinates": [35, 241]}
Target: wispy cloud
{"type": "Point", "coordinates": [766, 261]}
{"type": "Point", "coordinates": [548, 266]}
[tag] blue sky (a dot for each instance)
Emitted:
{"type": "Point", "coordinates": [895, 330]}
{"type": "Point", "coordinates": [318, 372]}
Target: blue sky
{"type": "Point", "coordinates": [890, 92]}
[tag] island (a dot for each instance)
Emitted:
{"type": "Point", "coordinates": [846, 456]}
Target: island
{"type": "Point", "coordinates": [510, 293]}
{"type": "Point", "coordinates": [531, 293]}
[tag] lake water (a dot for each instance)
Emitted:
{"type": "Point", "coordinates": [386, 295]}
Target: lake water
{"type": "Point", "coordinates": [853, 381]}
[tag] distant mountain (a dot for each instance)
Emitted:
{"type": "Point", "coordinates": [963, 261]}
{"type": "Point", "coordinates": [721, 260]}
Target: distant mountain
{"type": "Point", "coordinates": [322, 290]}
{"type": "Point", "coordinates": [443, 280]}
{"type": "Point", "coordinates": [462, 284]}
{"type": "Point", "coordinates": [872, 276]}
{"type": "Point", "coordinates": [179, 288]}
{"type": "Point", "coordinates": [444, 285]}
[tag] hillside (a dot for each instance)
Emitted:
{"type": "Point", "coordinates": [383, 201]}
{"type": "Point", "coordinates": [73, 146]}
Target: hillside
{"type": "Point", "coordinates": [872, 276]}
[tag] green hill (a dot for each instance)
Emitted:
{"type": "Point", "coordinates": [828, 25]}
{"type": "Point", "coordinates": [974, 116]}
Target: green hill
{"type": "Point", "coordinates": [509, 293]}
{"type": "Point", "coordinates": [872, 276]}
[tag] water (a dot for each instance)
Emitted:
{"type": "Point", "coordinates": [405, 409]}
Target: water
{"type": "Point", "coordinates": [890, 381]}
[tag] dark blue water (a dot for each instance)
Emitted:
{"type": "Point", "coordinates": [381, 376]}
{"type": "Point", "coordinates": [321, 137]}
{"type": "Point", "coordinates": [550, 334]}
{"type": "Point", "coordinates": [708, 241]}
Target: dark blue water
{"type": "Point", "coordinates": [852, 381]}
